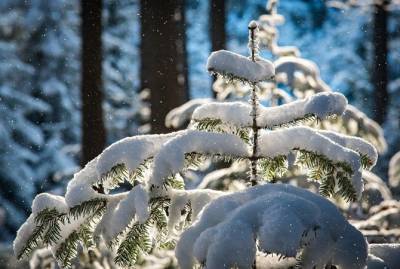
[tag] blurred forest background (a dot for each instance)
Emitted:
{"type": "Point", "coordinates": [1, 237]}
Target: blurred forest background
{"type": "Point", "coordinates": [75, 76]}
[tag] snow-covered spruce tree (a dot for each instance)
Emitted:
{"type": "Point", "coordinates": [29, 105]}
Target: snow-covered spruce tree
{"type": "Point", "coordinates": [151, 214]}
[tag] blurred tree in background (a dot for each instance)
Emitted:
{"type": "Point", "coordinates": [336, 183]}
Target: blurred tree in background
{"type": "Point", "coordinates": [163, 57]}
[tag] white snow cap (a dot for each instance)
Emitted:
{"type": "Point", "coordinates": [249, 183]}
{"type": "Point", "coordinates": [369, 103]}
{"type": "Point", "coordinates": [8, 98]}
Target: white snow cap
{"type": "Point", "coordinates": [283, 218]}
{"type": "Point", "coordinates": [283, 141]}
{"type": "Point", "coordinates": [252, 24]}
{"type": "Point", "coordinates": [171, 158]}
{"type": "Point", "coordinates": [229, 63]}
{"type": "Point", "coordinates": [238, 113]}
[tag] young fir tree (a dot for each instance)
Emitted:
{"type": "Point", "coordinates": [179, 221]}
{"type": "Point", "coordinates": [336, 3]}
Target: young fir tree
{"type": "Point", "coordinates": [269, 218]}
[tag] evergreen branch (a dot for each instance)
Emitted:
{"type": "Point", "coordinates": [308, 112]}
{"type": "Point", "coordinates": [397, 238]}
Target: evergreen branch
{"type": "Point", "coordinates": [345, 187]}
{"type": "Point", "coordinates": [174, 183]}
{"type": "Point", "coordinates": [46, 231]}
{"type": "Point", "coordinates": [216, 125]}
{"type": "Point", "coordinates": [117, 175]}
{"type": "Point", "coordinates": [52, 219]}
{"type": "Point", "coordinates": [328, 173]}
{"type": "Point", "coordinates": [327, 186]}
{"type": "Point", "coordinates": [68, 249]}
{"type": "Point", "coordinates": [308, 118]}
{"type": "Point", "coordinates": [120, 174]}
{"type": "Point", "coordinates": [273, 168]}
{"type": "Point", "coordinates": [137, 238]}
{"type": "Point", "coordinates": [94, 206]}
{"type": "Point", "coordinates": [366, 163]}
{"type": "Point", "coordinates": [33, 242]}
{"type": "Point", "coordinates": [230, 78]}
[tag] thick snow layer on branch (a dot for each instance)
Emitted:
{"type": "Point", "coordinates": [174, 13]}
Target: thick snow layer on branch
{"type": "Point", "coordinates": [238, 113]}
{"type": "Point", "coordinates": [177, 117]}
{"type": "Point", "coordinates": [171, 158]}
{"type": "Point", "coordinates": [283, 218]}
{"type": "Point", "coordinates": [79, 189]}
{"type": "Point", "coordinates": [320, 105]}
{"type": "Point", "coordinates": [282, 142]}
{"type": "Point", "coordinates": [355, 143]}
{"type": "Point", "coordinates": [229, 63]}
{"type": "Point", "coordinates": [135, 204]}
{"type": "Point", "coordinates": [131, 151]}
{"type": "Point", "coordinates": [235, 113]}
{"type": "Point", "coordinates": [41, 202]}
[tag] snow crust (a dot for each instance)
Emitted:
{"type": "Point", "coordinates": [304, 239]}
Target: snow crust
{"type": "Point", "coordinates": [283, 218]}
{"type": "Point", "coordinates": [171, 158]}
{"type": "Point", "coordinates": [239, 113]}
{"type": "Point", "coordinates": [283, 141]}
{"type": "Point", "coordinates": [226, 62]}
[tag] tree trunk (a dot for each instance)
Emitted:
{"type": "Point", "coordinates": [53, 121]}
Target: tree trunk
{"type": "Point", "coordinates": [217, 27]}
{"type": "Point", "coordinates": [93, 131]}
{"type": "Point", "coordinates": [163, 57]}
{"type": "Point", "coordinates": [380, 69]}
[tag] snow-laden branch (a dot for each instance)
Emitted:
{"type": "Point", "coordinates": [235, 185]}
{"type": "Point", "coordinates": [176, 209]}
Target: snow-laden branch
{"type": "Point", "coordinates": [355, 143]}
{"type": "Point", "coordinates": [237, 66]}
{"type": "Point", "coordinates": [287, 67]}
{"type": "Point", "coordinates": [282, 142]}
{"type": "Point", "coordinates": [365, 126]}
{"type": "Point", "coordinates": [131, 152]}
{"type": "Point", "coordinates": [171, 158]}
{"type": "Point", "coordinates": [23, 242]}
{"type": "Point", "coordinates": [320, 105]}
{"type": "Point", "coordinates": [284, 219]}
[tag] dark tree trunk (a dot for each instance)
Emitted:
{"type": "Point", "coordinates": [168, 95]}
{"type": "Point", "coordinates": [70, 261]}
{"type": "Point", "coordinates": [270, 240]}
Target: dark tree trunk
{"type": "Point", "coordinates": [93, 131]}
{"type": "Point", "coordinates": [380, 69]}
{"type": "Point", "coordinates": [217, 26]}
{"type": "Point", "coordinates": [163, 57]}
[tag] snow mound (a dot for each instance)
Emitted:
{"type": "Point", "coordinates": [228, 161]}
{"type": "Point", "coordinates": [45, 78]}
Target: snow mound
{"type": "Point", "coordinates": [284, 219]}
